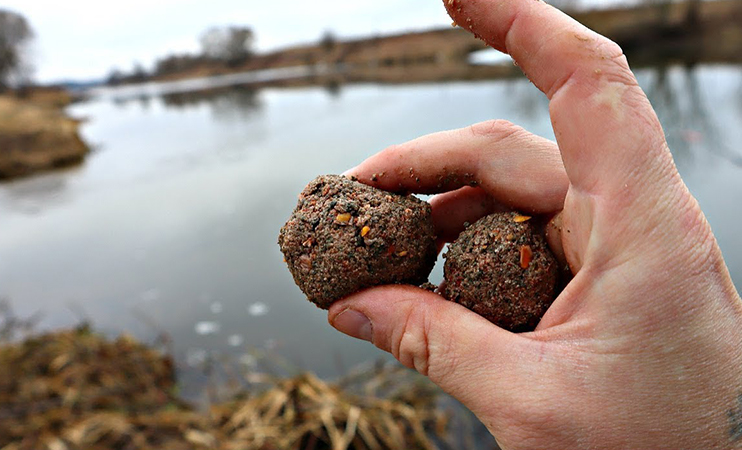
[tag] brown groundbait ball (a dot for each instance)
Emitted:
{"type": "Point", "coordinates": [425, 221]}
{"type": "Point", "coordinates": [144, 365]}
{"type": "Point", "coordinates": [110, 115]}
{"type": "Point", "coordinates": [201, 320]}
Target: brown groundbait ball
{"type": "Point", "coordinates": [502, 269]}
{"type": "Point", "coordinates": [345, 236]}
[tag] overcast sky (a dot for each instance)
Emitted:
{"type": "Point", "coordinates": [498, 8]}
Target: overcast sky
{"type": "Point", "coordinates": [84, 39]}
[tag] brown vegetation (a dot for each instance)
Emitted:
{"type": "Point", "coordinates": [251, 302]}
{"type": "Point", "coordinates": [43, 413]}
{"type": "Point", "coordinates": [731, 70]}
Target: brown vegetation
{"type": "Point", "coordinates": [36, 134]}
{"type": "Point", "coordinates": [75, 389]}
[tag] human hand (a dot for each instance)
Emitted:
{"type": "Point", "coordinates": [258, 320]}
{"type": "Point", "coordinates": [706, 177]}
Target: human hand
{"type": "Point", "coordinates": [643, 348]}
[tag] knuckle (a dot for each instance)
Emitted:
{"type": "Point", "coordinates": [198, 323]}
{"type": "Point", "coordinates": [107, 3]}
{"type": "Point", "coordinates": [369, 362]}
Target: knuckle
{"type": "Point", "coordinates": [610, 49]}
{"type": "Point", "coordinates": [617, 66]}
{"type": "Point", "coordinates": [495, 129]}
{"type": "Point", "coordinates": [421, 348]}
{"type": "Point", "coordinates": [412, 344]}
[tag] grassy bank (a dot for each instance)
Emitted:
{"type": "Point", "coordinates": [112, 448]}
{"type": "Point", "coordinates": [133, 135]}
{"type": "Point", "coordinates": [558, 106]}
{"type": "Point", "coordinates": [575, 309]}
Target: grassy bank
{"type": "Point", "coordinates": [78, 390]}
{"type": "Point", "coordinates": [36, 134]}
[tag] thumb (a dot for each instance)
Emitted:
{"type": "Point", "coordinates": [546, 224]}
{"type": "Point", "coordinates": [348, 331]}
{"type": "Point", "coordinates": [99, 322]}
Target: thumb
{"type": "Point", "coordinates": [460, 351]}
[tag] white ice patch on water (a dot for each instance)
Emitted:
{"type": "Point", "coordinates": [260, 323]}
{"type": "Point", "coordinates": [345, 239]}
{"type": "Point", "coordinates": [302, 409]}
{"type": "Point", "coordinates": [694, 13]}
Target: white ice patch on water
{"type": "Point", "coordinates": [258, 309]}
{"type": "Point", "coordinates": [206, 328]}
{"type": "Point", "coordinates": [235, 340]}
{"type": "Point", "coordinates": [196, 357]}
{"type": "Point", "coordinates": [488, 56]}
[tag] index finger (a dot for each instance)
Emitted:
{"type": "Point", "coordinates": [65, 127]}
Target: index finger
{"type": "Point", "coordinates": [606, 129]}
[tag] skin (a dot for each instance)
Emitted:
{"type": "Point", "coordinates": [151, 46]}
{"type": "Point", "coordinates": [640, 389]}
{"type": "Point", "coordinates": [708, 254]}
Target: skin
{"type": "Point", "coordinates": [643, 348]}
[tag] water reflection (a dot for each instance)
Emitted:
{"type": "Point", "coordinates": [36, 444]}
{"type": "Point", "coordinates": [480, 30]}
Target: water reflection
{"type": "Point", "coordinates": [692, 130]}
{"type": "Point", "coordinates": [31, 196]}
{"type": "Point", "coordinates": [334, 88]}
{"type": "Point", "coordinates": [145, 102]}
{"type": "Point", "coordinates": [531, 102]}
{"type": "Point", "coordinates": [232, 103]}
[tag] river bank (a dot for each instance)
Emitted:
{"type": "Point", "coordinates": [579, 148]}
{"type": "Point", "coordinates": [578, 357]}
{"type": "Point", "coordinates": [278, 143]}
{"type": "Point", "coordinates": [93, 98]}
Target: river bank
{"type": "Point", "coordinates": [75, 389]}
{"type": "Point", "coordinates": [36, 134]}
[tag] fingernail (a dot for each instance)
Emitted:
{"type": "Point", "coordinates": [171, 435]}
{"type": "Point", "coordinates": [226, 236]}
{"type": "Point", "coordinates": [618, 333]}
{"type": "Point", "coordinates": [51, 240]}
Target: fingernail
{"type": "Point", "coordinates": [353, 323]}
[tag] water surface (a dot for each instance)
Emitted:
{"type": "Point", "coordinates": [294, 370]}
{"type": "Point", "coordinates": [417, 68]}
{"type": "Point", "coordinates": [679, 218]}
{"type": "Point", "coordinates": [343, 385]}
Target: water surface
{"type": "Point", "coordinates": [171, 224]}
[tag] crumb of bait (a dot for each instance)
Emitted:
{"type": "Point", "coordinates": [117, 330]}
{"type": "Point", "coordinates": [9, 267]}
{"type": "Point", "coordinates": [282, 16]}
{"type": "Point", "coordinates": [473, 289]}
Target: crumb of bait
{"type": "Point", "coordinates": [501, 268]}
{"type": "Point", "coordinates": [345, 236]}
{"type": "Point", "coordinates": [430, 287]}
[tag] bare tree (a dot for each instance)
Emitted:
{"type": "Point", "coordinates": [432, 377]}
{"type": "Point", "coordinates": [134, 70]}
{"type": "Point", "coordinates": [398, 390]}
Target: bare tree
{"type": "Point", "coordinates": [176, 63]}
{"type": "Point", "coordinates": [15, 35]}
{"type": "Point", "coordinates": [329, 41]}
{"type": "Point", "coordinates": [115, 77]}
{"type": "Point", "coordinates": [232, 45]}
{"type": "Point", "coordinates": [138, 73]}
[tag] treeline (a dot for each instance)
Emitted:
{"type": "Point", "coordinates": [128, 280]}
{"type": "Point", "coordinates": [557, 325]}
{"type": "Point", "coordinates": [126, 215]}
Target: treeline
{"type": "Point", "coordinates": [15, 36]}
{"type": "Point", "coordinates": [229, 46]}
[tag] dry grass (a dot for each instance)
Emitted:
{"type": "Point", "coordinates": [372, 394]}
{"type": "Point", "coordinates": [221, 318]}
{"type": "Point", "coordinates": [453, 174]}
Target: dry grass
{"type": "Point", "coordinates": [306, 412]}
{"type": "Point", "coordinates": [77, 390]}
{"type": "Point", "coordinates": [36, 134]}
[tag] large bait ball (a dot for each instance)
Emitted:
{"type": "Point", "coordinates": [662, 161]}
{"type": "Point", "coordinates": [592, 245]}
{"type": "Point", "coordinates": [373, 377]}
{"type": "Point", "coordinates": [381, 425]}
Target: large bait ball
{"type": "Point", "coordinates": [501, 268]}
{"type": "Point", "coordinates": [345, 236]}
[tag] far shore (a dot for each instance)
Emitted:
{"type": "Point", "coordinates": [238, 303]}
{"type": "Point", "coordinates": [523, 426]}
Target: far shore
{"type": "Point", "coordinates": [659, 35]}
{"type": "Point", "coordinates": [686, 32]}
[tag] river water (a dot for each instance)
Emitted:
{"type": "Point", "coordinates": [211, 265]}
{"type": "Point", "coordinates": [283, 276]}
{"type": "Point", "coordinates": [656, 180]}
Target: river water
{"type": "Point", "coordinates": [171, 223]}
